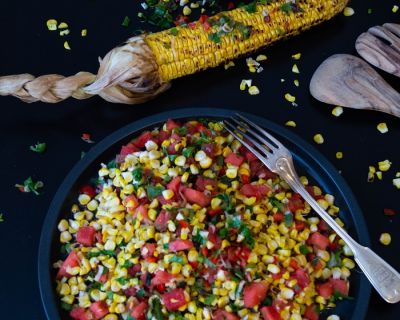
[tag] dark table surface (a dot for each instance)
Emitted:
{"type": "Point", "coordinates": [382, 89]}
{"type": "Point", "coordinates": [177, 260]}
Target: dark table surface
{"type": "Point", "coordinates": [27, 46]}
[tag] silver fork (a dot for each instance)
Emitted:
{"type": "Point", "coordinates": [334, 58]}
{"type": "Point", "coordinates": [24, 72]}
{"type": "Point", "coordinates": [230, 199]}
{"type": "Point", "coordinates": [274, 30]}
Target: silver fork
{"type": "Point", "coordinates": [278, 159]}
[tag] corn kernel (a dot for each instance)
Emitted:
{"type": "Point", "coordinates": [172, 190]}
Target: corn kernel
{"type": "Point", "coordinates": [348, 11]}
{"type": "Point", "coordinates": [382, 127]}
{"type": "Point", "coordinates": [231, 173]}
{"type": "Point", "coordinates": [168, 194]}
{"type": "Point", "coordinates": [51, 24]}
{"type": "Point", "coordinates": [385, 239]}
{"type": "Point", "coordinates": [318, 138]}
{"type": "Point", "coordinates": [83, 199]}
{"type": "Point", "coordinates": [65, 237]}
{"type": "Point", "coordinates": [63, 225]}
{"type": "Point", "coordinates": [384, 165]}
{"type": "Point", "coordinates": [84, 32]}
{"type": "Point", "coordinates": [395, 8]}
{"type": "Point", "coordinates": [396, 182]}
{"type": "Point", "coordinates": [295, 69]}
{"type": "Point", "coordinates": [205, 163]}
{"type": "Point", "coordinates": [253, 90]}
{"type": "Point", "coordinates": [186, 10]}
{"type": "Point", "coordinates": [337, 111]}
{"type": "Point", "coordinates": [67, 46]}
{"type": "Point", "coordinates": [290, 98]}
{"type": "Point", "coordinates": [273, 268]}
{"type": "Point", "coordinates": [290, 123]}
{"type": "Point", "coordinates": [296, 56]}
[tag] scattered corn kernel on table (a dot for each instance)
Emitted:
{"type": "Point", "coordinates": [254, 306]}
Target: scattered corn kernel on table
{"type": "Point", "coordinates": [69, 127]}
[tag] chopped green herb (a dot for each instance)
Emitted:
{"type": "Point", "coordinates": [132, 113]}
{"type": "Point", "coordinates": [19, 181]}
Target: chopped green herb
{"type": "Point", "coordinates": [267, 301]}
{"type": "Point", "coordinates": [209, 299]}
{"type": "Point", "coordinates": [101, 253]}
{"type": "Point", "coordinates": [127, 264]}
{"type": "Point", "coordinates": [174, 31]}
{"type": "Point", "coordinates": [141, 293]}
{"type": "Point", "coordinates": [112, 164]}
{"type": "Point", "coordinates": [122, 281]}
{"type": "Point", "coordinates": [66, 306]}
{"type": "Point", "coordinates": [214, 37]}
{"type": "Point", "coordinates": [154, 191]}
{"type": "Point", "coordinates": [177, 259]}
{"type": "Point", "coordinates": [66, 248]}
{"type": "Point", "coordinates": [156, 309]}
{"type": "Point", "coordinates": [126, 22]}
{"type": "Point", "coordinates": [137, 174]}
{"type": "Point", "coordinates": [40, 147]}
{"type": "Point", "coordinates": [182, 131]}
{"type": "Point", "coordinates": [277, 204]}
{"type": "Point", "coordinates": [83, 153]}
{"type": "Point", "coordinates": [30, 186]}
{"type": "Point", "coordinates": [188, 151]}
{"type": "Point", "coordinates": [110, 295]}
{"type": "Point", "coordinates": [288, 219]}
{"type": "Point", "coordinates": [304, 249]}
{"type": "Point", "coordinates": [334, 260]}
{"type": "Point", "coordinates": [1, 217]}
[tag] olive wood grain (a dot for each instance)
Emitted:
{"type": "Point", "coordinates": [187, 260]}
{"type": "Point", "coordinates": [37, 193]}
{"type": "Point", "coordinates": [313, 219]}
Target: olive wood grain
{"type": "Point", "coordinates": [380, 46]}
{"type": "Point", "coordinates": [349, 81]}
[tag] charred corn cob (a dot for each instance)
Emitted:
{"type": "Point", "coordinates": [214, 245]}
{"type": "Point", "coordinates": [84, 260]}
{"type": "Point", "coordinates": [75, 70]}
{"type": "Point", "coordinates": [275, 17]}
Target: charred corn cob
{"type": "Point", "coordinates": [144, 66]}
{"type": "Point", "coordinates": [188, 50]}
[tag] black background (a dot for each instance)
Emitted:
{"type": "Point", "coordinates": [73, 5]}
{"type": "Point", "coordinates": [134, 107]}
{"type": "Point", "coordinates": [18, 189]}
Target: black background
{"type": "Point", "coordinates": [27, 46]}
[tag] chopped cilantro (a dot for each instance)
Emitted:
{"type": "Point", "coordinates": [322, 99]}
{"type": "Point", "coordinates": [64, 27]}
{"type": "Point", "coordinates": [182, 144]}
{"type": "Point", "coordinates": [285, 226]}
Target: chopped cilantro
{"type": "Point", "coordinates": [122, 281]}
{"type": "Point", "coordinates": [209, 299]}
{"type": "Point", "coordinates": [267, 301]}
{"type": "Point", "coordinates": [101, 253]}
{"type": "Point", "coordinates": [110, 295]}
{"type": "Point", "coordinates": [66, 248]}
{"type": "Point", "coordinates": [40, 147]}
{"type": "Point", "coordinates": [188, 151]}
{"type": "Point", "coordinates": [141, 293]}
{"type": "Point", "coordinates": [174, 31]}
{"type": "Point", "coordinates": [177, 259]}
{"type": "Point", "coordinates": [112, 164]}
{"type": "Point", "coordinates": [276, 203]}
{"type": "Point", "coordinates": [288, 219]}
{"type": "Point", "coordinates": [66, 306]}
{"type": "Point", "coordinates": [30, 186]}
{"type": "Point", "coordinates": [137, 174]}
{"type": "Point", "coordinates": [126, 22]}
{"type": "Point", "coordinates": [304, 249]}
{"type": "Point", "coordinates": [154, 191]}
{"type": "Point", "coordinates": [334, 260]}
{"type": "Point", "coordinates": [127, 264]}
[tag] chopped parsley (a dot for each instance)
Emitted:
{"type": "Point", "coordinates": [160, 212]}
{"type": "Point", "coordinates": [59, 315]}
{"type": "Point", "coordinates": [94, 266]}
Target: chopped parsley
{"type": "Point", "coordinates": [101, 253]}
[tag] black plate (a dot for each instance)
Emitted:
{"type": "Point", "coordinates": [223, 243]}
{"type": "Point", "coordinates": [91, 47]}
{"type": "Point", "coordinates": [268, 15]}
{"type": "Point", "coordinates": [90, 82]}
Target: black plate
{"type": "Point", "coordinates": [308, 161]}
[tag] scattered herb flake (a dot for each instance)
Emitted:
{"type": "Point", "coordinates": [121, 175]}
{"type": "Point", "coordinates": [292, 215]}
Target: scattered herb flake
{"type": "Point", "coordinates": [126, 22]}
{"type": "Point", "coordinates": [30, 186]}
{"type": "Point", "coordinates": [39, 147]}
{"type": "Point", "coordinates": [1, 217]}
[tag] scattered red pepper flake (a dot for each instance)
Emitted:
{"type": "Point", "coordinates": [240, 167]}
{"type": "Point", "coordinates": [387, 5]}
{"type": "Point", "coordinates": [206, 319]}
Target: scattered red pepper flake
{"type": "Point", "coordinates": [87, 138]}
{"type": "Point", "coordinates": [389, 212]}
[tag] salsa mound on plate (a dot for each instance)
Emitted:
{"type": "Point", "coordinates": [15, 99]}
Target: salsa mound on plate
{"type": "Point", "coordinates": [186, 223]}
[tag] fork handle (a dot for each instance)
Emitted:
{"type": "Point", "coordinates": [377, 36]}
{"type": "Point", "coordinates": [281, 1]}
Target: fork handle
{"type": "Point", "coordinates": [384, 278]}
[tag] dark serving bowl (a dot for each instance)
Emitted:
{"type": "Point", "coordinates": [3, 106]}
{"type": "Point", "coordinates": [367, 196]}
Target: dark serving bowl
{"type": "Point", "coordinates": [308, 161]}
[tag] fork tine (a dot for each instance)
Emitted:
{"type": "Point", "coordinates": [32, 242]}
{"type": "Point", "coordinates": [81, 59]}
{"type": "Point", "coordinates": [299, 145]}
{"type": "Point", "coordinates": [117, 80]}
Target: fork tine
{"type": "Point", "coordinates": [257, 135]}
{"type": "Point", "coordinates": [269, 136]}
{"type": "Point", "coordinates": [242, 141]}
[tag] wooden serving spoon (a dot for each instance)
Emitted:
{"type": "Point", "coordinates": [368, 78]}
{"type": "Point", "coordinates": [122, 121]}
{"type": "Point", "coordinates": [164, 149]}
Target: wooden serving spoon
{"type": "Point", "coordinates": [380, 46]}
{"type": "Point", "coordinates": [348, 81]}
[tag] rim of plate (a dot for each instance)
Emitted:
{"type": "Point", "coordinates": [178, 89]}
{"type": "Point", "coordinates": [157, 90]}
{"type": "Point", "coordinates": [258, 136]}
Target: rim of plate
{"type": "Point", "coordinates": [46, 283]}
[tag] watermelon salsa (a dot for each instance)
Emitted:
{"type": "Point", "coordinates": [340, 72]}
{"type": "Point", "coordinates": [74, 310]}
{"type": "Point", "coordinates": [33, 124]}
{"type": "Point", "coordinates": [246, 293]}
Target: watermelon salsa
{"type": "Point", "coordinates": [186, 223]}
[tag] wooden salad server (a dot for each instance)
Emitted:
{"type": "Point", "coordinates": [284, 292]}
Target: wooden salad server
{"type": "Point", "coordinates": [348, 81]}
{"type": "Point", "coordinates": [380, 46]}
